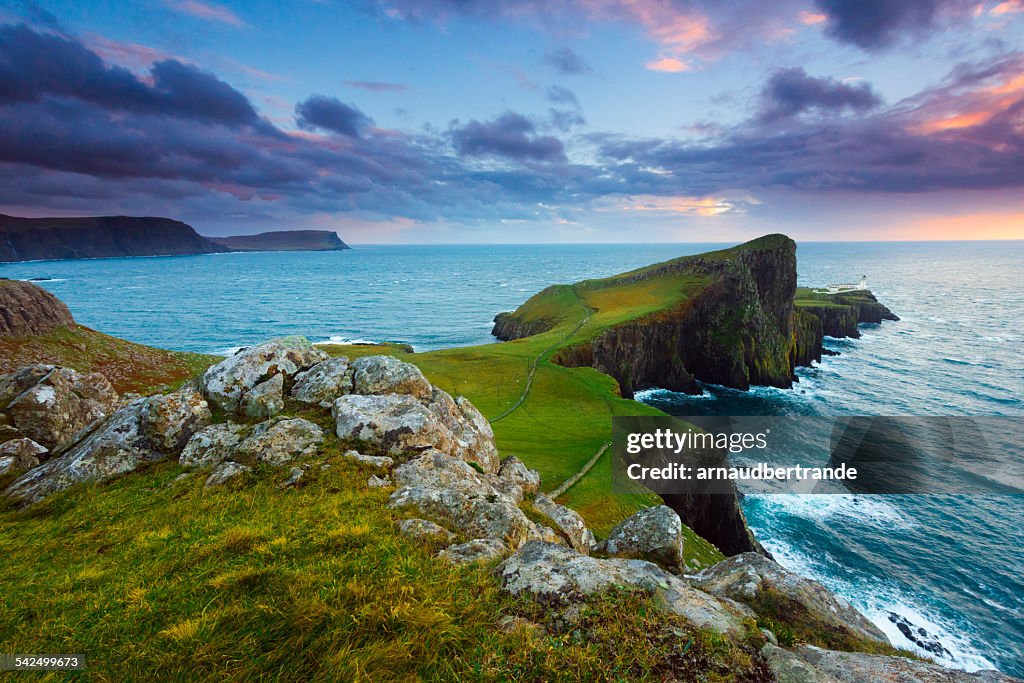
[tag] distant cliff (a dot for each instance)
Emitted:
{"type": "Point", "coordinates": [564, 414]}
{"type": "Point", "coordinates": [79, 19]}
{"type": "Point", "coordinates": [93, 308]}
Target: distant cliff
{"type": "Point", "coordinates": [29, 310]}
{"type": "Point", "coordinates": [284, 240]}
{"type": "Point", "coordinates": [32, 239]}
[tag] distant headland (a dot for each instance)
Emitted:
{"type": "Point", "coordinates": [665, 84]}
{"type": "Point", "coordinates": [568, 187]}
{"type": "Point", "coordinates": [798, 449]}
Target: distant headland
{"type": "Point", "coordinates": [39, 239]}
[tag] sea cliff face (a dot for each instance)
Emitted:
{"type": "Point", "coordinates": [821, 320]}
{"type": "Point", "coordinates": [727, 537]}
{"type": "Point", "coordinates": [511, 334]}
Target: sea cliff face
{"type": "Point", "coordinates": [284, 240]}
{"type": "Point", "coordinates": [33, 239]}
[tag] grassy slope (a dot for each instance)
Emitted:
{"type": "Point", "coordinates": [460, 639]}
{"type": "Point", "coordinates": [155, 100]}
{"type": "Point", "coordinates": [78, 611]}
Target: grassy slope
{"type": "Point", "coordinates": [128, 366]}
{"type": "Point", "coordinates": [152, 576]}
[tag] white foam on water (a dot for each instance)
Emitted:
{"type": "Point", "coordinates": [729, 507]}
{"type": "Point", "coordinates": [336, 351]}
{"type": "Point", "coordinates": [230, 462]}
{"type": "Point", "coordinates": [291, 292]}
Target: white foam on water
{"type": "Point", "coordinates": [878, 600]}
{"type": "Point", "coordinates": [338, 339]}
{"type": "Point", "coordinates": [866, 510]}
{"type": "Point", "coordinates": [646, 394]}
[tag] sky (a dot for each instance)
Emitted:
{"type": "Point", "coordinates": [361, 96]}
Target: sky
{"type": "Point", "coordinates": [521, 121]}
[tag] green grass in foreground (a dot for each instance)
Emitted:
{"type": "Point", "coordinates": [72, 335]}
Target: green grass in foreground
{"type": "Point", "coordinates": [157, 578]}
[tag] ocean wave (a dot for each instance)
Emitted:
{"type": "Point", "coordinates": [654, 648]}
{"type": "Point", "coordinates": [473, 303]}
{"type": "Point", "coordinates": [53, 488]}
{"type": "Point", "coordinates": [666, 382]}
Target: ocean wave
{"type": "Point", "coordinates": [867, 510]}
{"type": "Point", "coordinates": [338, 339]}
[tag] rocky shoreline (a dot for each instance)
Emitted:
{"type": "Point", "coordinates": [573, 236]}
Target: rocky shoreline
{"type": "Point", "coordinates": [436, 454]}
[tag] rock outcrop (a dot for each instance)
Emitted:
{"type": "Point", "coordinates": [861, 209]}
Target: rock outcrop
{"type": "Point", "coordinates": [26, 309]}
{"type": "Point", "coordinates": [18, 455]}
{"type": "Point", "coordinates": [51, 404]}
{"type": "Point", "coordinates": [654, 534]}
{"type": "Point", "coordinates": [745, 578]}
{"type": "Point", "coordinates": [32, 239]}
{"type": "Point", "coordinates": [227, 383]}
{"type": "Point", "coordinates": [858, 667]}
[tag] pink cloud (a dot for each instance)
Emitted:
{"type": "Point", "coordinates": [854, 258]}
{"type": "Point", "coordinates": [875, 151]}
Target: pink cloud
{"type": "Point", "coordinates": [811, 18]}
{"type": "Point", "coordinates": [1008, 7]}
{"type": "Point", "coordinates": [669, 65]}
{"type": "Point", "coordinates": [207, 12]}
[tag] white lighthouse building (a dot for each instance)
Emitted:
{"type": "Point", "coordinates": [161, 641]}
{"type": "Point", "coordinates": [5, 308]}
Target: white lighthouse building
{"type": "Point", "coordinates": [843, 288]}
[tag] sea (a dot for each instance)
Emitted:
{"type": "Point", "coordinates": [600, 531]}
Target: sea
{"type": "Point", "coordinates": [941, 574]}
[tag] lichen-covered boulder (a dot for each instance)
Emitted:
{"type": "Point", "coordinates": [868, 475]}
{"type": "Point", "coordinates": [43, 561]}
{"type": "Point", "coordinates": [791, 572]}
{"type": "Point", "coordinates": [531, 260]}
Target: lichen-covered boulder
{"type": "Point", "coordinates": [425, 530]}
{"type": "Point", "coordinates": [117, 446]}
{"type": "Point", "coordinates": [279, 441]}
{"type": "Point", "coordinates": [211, 446]}
{"type": "Point", "coordinates": [654, 534]}
{"type": "Point", "coordinates": [59, 404]}
{"type": "Point", "coordinates": [859, 667]}
{"type": "Point", "coordinates": [227, 473]}
{"type": "Point", "coordinates": [743, 577]}
{"type": "Point", "coordinates": [477, 550]}
{"type": "Point", "coordinates": [552, 572]}
{"type": "Point", "coordinates": [475, 514]}
{"type": "Point", "coordinates": [324, 382]}
{"type": "Point", "coordinates": [21, 380]}
{"type": "Point", "coordinates": [264, 400]}
{"type": "Point", "coordinates": [436, 470]}
{"type": "Point", "coordinates": [513, 469]}
{"type": "Point", "coordinates": [170, 420]}
{"type": "Point", "coordinates": [473, 437]}
{"type": "Point", "coordinates": [568, 522]}
{"type": "Point", "coordinates": [388, 375]}
{"type": "Point", "coordinates": [18, 455]}
{"type": "Point", "coordinates": [226, 383]}
{"type": "Point", "coordinates": [790, 668]}
{"type": "Point", "coordinates": [395, 422]}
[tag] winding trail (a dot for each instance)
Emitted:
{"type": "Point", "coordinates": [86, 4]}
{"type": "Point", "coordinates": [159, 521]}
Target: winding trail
{"type": "Point", "coordinates": [571, 481]}
{"type": "Point", "coordinates": [533, 365]}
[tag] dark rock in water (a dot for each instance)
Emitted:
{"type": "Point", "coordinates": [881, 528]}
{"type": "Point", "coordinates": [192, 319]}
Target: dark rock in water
{"type": "Point", "coordinates": [31, 239]}
{"type": "Point", "coordinates": [919, 636]}
{"type": "Point", "coordinates": [26, 309]}
{"type": "Point", "coordinates": [284, 240]}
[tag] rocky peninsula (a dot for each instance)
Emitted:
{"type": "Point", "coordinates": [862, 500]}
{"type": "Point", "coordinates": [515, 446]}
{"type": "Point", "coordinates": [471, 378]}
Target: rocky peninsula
{"type": "Point", "coordinates": [284, 240]}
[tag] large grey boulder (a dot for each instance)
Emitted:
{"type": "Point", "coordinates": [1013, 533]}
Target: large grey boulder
{"type": "Point", "coordinates": [19, 455]}
{"type": "Point", "coordinates": [226, 383]}
{"type": "Point", "coordinates": [654, 534]}
{"type": "Point", "coordinates": [324, 382]}
{"type": "Point", "coordinates": [388, 375]}
{"type": "Point", "coordinates": [476, 514]}
{"type": "Point", "coordinates": [117, 446]}
{"type": "Point", "coordinates": [858, 667]}
{"type": "Point", "coordinates": [515, 472]}
{"type": "Point", "coordinates": [211, 446]}
{"type": "Point", "coordinates": [791, 668]}
{"type": "Point", "coordinates": [55, 403]}
{"type": "Point", "coordinates": [436, 470]}
{"type": "Point", "coordinates": [279, 441]}
{"type": "Point", "coordinates": [552, 572]}
{"type": "Point", "coordinates": [264, 400]}
{"type": "Point", "coordinates": [568, 522]}
{"type": "Point", "coordinates": [473, 436]}
{"type": "Point", "coordinates": [743, 577]}
{"type": "Point", "coordinates": [477, 550]}
{"type": "Point", "coordinates": [397, 423]}
{"type": "Point", "coordinates": [170, 420]}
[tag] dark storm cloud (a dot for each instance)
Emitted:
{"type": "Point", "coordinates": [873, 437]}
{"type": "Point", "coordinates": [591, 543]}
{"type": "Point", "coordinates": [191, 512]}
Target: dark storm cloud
{"type": "Point", "coordinates": [511, 135]}
{"type": "Point", "coordinates": [37, 65]}
{"type": "Point", "coordinates": [567, 62]}
{"type": "Point", "coordinates": [874, 24]}
{"type": "Point", "coordinates": [331, 114]}
{"type": "Point", "coordinates": [791, 91]}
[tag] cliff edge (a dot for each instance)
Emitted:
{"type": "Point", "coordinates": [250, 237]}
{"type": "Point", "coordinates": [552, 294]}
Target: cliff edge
{"type": "Point", "coordinates": [36, 239]}
{"type": "Point", "coordinates": [284, 240]}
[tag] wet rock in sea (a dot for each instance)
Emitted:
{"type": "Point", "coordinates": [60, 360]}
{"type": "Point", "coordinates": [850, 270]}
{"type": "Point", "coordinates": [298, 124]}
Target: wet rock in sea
{"type": "Point", "coordinates": [226, 383]}
{"type": "Point", "coordinates": [654, 534]}
{"type": "Point", "coordinates": [324, 382]}
{"type": "Point", "coordinates": [744, 577]}
{"type": "Point", "coordinates": [568, 522]}
{"type": "Point", "coordinates": [477, 550]}
{"type": "Point", "coordinates": [264, 400]}
{"type": "Point", "coordinates": [19, 455]}
{"type": "Point", "coordinates": [555, 573]}
{"type": "Point", "coordinates": [51, 404]}
{"type": "Point", "coordinates": [388, 375]}
{"type": "Point", "coordinates": [227, 473]}
{"type": "Point", "coordinates": [919, 636]}
{"type": "Point", "coordinates": [211, 446]}
{"type": "Point", "coordinates": [425, 530]}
